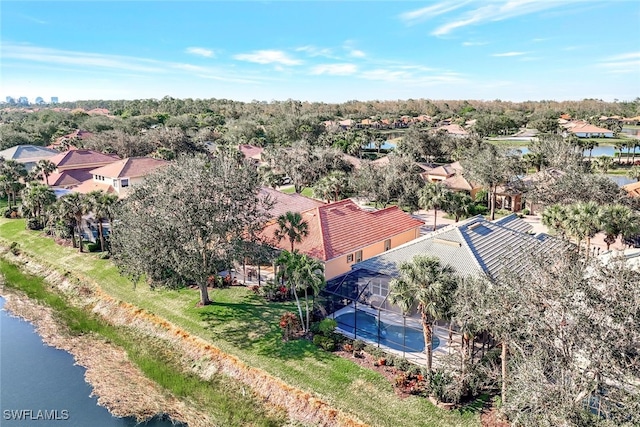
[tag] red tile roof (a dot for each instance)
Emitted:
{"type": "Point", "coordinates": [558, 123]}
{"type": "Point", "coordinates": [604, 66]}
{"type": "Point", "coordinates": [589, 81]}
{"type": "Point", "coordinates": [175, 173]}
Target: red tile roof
{"type": "Point", "coordinates": [79, 158]}
{"type": "Point", "coordinates": [250, 151]}
{"type": "Point", "coordinates": [339, 228]}
{"type": "Point", "coordinates": [130, 167]}
{"type": "Point", "coordinates": [633, 189]}
{"type": "Point", "coordinates": [70, 177]}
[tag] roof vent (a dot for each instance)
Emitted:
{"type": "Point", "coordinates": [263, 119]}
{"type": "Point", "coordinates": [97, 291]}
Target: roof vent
{"type": "Point", "coordinates": [447, 242]}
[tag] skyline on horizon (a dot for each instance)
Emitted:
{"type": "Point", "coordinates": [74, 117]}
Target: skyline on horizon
{"type": "Point", "coordinates": [513, 50]}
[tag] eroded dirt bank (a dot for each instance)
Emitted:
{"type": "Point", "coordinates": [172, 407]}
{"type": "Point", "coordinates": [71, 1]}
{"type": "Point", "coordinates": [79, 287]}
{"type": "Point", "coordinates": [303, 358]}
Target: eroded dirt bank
{"type": "Point", "coordinates": [122, 388]}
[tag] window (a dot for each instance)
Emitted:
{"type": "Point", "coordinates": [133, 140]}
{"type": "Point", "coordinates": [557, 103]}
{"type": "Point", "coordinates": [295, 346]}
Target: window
{"type": "Point", "coordinates": [358, 256]}
{"type": "Point", "coordinates": [124, 182]}
{"type": "Point", "coordinates": [378, 287]}
{"type": "Point", "coordinates": [387, 244]}
{"type": "Point", "coordinates": [350, 258]}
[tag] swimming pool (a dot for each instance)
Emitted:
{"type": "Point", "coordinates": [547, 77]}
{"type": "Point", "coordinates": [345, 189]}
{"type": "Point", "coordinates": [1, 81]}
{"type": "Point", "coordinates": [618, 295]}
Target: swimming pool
{"type": "Point", "coordinates": [365, 326]}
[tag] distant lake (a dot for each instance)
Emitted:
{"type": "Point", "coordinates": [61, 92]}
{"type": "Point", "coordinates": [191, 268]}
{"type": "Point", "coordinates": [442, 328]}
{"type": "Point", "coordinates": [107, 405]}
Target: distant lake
{"type": "Point", "coordinates": [36, 377]}
{"type": "Point", "coordinates": [605, 150]}
{"type": "Point", "coordinates": [620, 179]}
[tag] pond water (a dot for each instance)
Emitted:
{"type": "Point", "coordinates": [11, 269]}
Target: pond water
{"type": "Point", "coordinates": [605, 150]}
{"type": "Point", "coordinates": [41, 386]}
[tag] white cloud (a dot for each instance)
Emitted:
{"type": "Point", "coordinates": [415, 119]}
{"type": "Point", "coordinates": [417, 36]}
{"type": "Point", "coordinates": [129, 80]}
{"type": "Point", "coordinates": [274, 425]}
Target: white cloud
{"type": "Point", "coordinates": [505, 54]}
{"type": "Point", "coordinates": [268, 57]}
{"type": "Point", "coordinates": [467, 44]}
{"type": "Point", "coordinates": [496, 11]}
{"type": "Point", "coordinates": [622, 63]}
{"type": "Point", "coordinates": [200, 51]}
{"type": "Point", "coordinates": [334, 69]}
{"type": "Point", "coordinates": [357, 53]}
{"type": "Point", "coordinates": [315, 51]}
{"type": "Point", "coordinates": [431, 11]}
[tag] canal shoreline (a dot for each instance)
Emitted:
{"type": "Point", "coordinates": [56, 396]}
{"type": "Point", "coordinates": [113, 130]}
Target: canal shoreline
{"type": "Point", "coordinates": [116, 382]}
{"type": "Point", "coordinates": [197, 356]}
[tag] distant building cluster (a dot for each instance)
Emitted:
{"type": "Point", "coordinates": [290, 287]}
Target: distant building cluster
{"type": "Point", "coordinates": [23, 100]}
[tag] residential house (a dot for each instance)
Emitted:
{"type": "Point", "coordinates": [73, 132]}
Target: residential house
{"type": "Point", "coordinates": [74, 167]}
{"type": "Point", "coordinates": [119, 176]}
{"type": "Point", "coordinates": [583, 129]}
{"type": "Point", "coordinates": [452, 177]}
{"type": "Point", "coordinates": [28, 155]}
{"type": "Point", "coordinates": [472, 247]}
{"type": "Point", "coordinates": [69, 141]}
{"type": "Point", "coordinates": [283, 203]}
{"type": "Point", "coordinates": [454, 130]}
{"type": "Point", "coordinates": [251, 152]}
{"type": "Point", "coordinates": [341, 234]}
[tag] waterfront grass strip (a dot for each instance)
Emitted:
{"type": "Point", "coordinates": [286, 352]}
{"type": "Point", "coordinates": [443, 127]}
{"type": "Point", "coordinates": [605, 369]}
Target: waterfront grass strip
{"type": "Point", "coordinates": [241, 324]}
{"type": "Point", "coordinates": [228, 403]}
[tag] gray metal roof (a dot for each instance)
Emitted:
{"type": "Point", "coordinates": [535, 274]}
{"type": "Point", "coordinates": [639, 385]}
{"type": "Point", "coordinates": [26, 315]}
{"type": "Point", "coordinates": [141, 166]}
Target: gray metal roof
{"type": "Point", "coordinates": [470, 247]}
{"type": "Point", "coordinates": [23, 153]}
{"type": "Point", "coordinates": [514, 222]}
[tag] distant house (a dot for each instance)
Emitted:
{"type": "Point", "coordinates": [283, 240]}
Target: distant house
{"type": "Point", "coordinates": [451, 176]}
{"type": "Point", "coordinates": [454, 130]}
{"type": "Point", "coordinates": [251, 152]}
{"type": "Point", "coordinates": [28, 155]}
{"type": "Point", "coordinates": [74, 167]}
{"type": "Point", "coordinates": [119, 176]}
{"type": "Point", "coordinates": [341, 234]}
{"type": "Point", "coordinates": [69, 141]}
{"type": "Point", "coordinates": [587, 130]}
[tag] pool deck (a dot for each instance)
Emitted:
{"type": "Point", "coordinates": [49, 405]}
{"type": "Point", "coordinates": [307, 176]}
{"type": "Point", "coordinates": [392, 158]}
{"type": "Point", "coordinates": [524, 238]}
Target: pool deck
{"type": "Point", "coordinates": [446, 347]}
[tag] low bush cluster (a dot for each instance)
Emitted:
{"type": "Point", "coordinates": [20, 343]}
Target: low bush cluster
{"type": "Point", "coordinates": [272, 291]}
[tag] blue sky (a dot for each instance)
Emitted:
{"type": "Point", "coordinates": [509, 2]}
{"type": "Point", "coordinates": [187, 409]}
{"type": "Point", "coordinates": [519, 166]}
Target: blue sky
{"type": "Point", "coordinates": [330, 51]}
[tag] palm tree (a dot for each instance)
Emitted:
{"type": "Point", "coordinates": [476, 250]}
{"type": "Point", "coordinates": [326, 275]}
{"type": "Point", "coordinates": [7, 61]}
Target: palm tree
{"type": "Point", "coordinates": [45, 167]}
{"type": "Point", "coordinates": [555, 218]}
{"type": "Point", "coordinates": [307, 273]}
{"type": "Point", "coordinates": [432, 196]}
{"type": "Point", "coordinates": [458, 204]}
{"type": "Point", "coordinates": [73, 207]}
{"type": "Point", "coordinates": [292, 227]}
{"type": "Point", "coordinates": [536, 160]}
{"type": "Point", "coordinates": [12, 174]}
{"type": "Point", "coordinates": [603, 164]}
{"type": "Point", "coordinates": [634, 173]}
{"type": "Point", "coordinates": [430, 285]}
{"type": "Point", "coordinates": [37, 197]}
{"type": "Point", "coordinates": [583, 222]}
{"type": "Point", "coordinates": [287, 263]}
{"type": "Point", "coordinates": [102, 205]}
{"type": "Point", "coordinates": [618, 220]}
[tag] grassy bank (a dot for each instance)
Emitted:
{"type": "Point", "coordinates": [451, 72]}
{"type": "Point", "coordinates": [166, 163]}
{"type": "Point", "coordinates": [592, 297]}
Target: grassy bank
{"type": "Point", "coordinates": [244, 325]}
{"type": "Point", "coordinates": [221, 398]}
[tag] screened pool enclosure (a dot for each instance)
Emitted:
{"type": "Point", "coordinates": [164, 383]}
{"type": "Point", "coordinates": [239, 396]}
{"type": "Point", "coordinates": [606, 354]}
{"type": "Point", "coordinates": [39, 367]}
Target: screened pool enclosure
{"type": "Point", "coordinates": [359, 303]}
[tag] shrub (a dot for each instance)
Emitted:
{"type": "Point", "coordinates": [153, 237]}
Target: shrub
{"type": "Point", "coordinates": [327, 326]}
{"type": "Point", "coordinates": [14, 248]}
{"type": "Point", "coordinates": [525, 211]}
{"type": "Point", "coordinates": [92, 246]}
{"type": "Point", "coordinates": [402, 364]}
{"type": "Point", "coordinates": [34, 224]}
{"type": "Point", "coordinates": [326, 343]}
{"type": "Point", "coordinates": [358, 345]}
{"type": "Point", "coordinates": [11, 212]}
{"type": "Point", "coordinates": [289, 323]}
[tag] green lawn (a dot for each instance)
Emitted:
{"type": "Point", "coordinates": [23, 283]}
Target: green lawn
{"type": "Point", "coordinates": [244, 325]}
{"type": "Point", "coordinates": [307, 191]}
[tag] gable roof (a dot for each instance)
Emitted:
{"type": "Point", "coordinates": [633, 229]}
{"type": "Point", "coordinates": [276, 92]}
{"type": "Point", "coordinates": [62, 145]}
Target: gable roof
{"type": "Point", "coordinates": [587, 128]}
{"type": "Point", "coordinates": [69, 177]}
{"type": "Point", "coordinates": [251, 151]}
{"type": "Point", "coordinates": [284, 203]}
{"type": "Point", "coordinates": [454, 129]}
{"type": "Point", "coordinates": [471, 247]}
{"type": "Point", "coordinates": [339, 228]}
{"type": "Point", "coordinates": [130, 167]}
{"type": "Point", "coordinates": [27, 153]}
{"type": "Point", "coordinates": [80, 158]}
